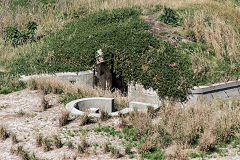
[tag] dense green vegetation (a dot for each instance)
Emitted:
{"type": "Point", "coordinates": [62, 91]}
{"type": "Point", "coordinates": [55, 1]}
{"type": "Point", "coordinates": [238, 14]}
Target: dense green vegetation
{"type": "Point", "coordinates": [16, 37]}
{"type": "Point", "coordinates": [130, 51]}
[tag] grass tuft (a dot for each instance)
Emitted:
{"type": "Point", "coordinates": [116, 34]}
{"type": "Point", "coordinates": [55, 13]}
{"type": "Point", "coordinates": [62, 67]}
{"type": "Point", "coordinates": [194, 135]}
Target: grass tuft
{"type": "Point", "coordinates": [63, 120]}
{"type": "Point", "coordinates": [57, 141]}
{"type": "Point", "coordinates": [3, 133]}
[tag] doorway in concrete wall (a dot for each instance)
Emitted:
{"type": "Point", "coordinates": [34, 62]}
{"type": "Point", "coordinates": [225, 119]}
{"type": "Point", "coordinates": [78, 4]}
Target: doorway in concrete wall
{"type": "Point", "coordinates": [106, 79]}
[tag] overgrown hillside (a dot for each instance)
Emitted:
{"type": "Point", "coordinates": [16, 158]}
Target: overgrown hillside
{"type": "Point", "coordinates": [58, 35]}
{"type": "Point", "coordinates": [167, 45]}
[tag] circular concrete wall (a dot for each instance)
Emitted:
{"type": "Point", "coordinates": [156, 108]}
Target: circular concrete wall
{"type": "Point", "coordinates": [78, 107]}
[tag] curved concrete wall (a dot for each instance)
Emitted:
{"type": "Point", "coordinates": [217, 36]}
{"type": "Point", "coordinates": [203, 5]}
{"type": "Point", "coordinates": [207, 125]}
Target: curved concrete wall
{"type": "Point", "coordinates": [77, 107]}
{"type": "Point", "coordinates": [105, 104]}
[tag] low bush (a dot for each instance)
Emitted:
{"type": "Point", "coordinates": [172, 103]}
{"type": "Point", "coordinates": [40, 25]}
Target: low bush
{"type": "Point", "coordinates": [171, 17]}
{"type": "Point", "coordinates": [16, 37]}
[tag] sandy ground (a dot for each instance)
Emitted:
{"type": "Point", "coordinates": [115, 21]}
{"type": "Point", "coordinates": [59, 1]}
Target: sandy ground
{"type": "Point", "coordinates": [35, 121]}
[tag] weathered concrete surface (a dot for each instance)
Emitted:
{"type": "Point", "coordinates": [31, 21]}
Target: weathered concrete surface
{"type": "Point", "coordinates": [77, 107]}
{"type": "Point", "coordinates": [200, 93]}
{"type": "Point", "coordinates": [142, 107]}
{"type": "Point", "coordinates": [137, 93]}
{"type": "Point", "coordinates": [215, 87]}
{"type": "Point", "coordinates": [84, 78]}
{"type": "Point", "coordinates": [105, 104]}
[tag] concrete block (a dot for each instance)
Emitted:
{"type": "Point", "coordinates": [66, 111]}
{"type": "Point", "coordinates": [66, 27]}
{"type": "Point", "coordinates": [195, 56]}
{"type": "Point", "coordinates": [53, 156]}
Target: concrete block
{"type": "Point", "coordinates": [205, 98]}
{"type": "Point", "coordinates": [142, 107]}
{"type": "Point", "coordinates": [192, 98]}
{"type": "Point", "coordinates": [138, 93]}
{"type": "Point", "coordinates": [94, 110]}
{"type": "Point", "coordinates": [219, 95]}
{"type": "Point", "coordinates": [232, 92]}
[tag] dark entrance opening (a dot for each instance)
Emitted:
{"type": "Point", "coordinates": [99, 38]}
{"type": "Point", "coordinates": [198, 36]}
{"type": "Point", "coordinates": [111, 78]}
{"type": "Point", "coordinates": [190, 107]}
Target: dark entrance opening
{"type": "Point", "coordinates": [106, 79]}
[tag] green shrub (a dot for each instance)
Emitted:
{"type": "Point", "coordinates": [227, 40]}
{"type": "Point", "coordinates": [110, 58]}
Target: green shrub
{"type": "Point", "coordinates": [171, 17]}
{"type": "Point", "coordinates": [155, 154]}
{"type": "Point", "coordinates": [16, 37]}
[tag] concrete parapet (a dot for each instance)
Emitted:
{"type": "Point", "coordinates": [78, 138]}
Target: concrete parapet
{"type": "Point", "coordinates": [215, 87]}
{"type": "Point", "coordinates": [197, 94]}
{"type": "Point", "coordinates": [215, 91]}
{"type": "Point", "coordinates": [84, 77]}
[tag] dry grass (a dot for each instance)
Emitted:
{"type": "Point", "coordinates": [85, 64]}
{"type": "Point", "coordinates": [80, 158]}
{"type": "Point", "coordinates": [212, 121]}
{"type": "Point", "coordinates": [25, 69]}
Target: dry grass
{"type": "Point", "coordinates": [49, 20]}
{"type": "Point", "coordinates": [69, 145]}
{"type": "Point", "coordinates": [39, 140]}
{"type": "Point", "coordinates": [57, 141]}
{"type": "Point", "coordinates": [44, 104]}
{"type": "Point", "coordinates": [206, 142]}
{"type": "Point", "coordinates": [204, 125]}
{"type": "Point", "coordinates": [176, 152]}
{"type": "Point", "coordinates": [148, 145]}
{"type": "Point", "coordinates": [63, 120]}
{"type": "Point", "coordinates": [3, 133]}
{"type": "Point", "coordinates": [46, 144]}
{"type": "Point", "coordinates": [14, 138]}
{"type": "Point", "coordinates": [82, 147]}
{"type": "Point", "coordinates": [57, 86]}
{"type": "Point", "coordinates": [218, 34]}
{"type": "Point", "coordinates": [142, 123]}
{"type": "Point", "coordinates": [103, 115]}
{"type": "Point", "coordinates": [211, 123]}
{"type": "Point", "coordinates": [115, 153]}
{"type": "Point", "coordinates": [85, 119]}
{"type": "Point", "coordinates": [106, 148]}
